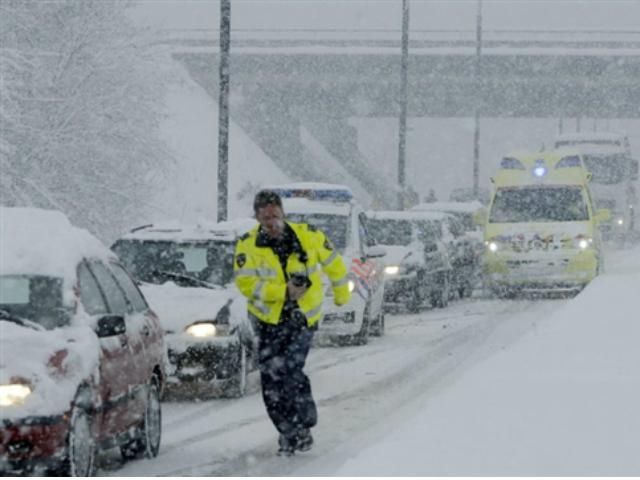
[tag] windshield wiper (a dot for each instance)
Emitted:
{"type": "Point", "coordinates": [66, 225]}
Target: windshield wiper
{"type": "Point", "coordinates": [182, 276]}
{"type": "Point", "coordinates": [23, 322]}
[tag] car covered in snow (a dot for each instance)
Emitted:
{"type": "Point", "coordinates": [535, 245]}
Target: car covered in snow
{"type": "Point", "coordinates": [82, 355]}
{"type": "Point", "coordinates": [417, 265]}
{"type": "Point", "coordinates": [332, 209]}
{"type": "Point", "coordinates": [186, 273]}
{"type": "Point", "coordinates": [463, 237]}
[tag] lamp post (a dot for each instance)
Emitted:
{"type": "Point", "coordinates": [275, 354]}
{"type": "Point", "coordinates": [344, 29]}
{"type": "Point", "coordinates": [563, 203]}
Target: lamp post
{"type": "Point", "coordinates": [476, 116]}
{"type": "Point", "coordinates": [402, 134]}
{"type": "Point", "coordinates": [223, 109]}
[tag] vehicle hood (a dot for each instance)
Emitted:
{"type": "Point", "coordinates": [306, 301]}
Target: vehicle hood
{"type": "Point", "coordinates": [27, 356]}
{"type": "Point", "coordinates": [525, 237]}
{"type": "Point", "coordinates": [400, 254]}
{"type": "Point", "coordinates": [178, 307]}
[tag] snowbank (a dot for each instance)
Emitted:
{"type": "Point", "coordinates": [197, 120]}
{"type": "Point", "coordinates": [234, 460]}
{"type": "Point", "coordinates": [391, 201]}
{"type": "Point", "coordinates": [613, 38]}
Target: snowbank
{"type": "Point", "coordinates": [191, 132]}
{"type": "Point", "coordinates": [562, 402]}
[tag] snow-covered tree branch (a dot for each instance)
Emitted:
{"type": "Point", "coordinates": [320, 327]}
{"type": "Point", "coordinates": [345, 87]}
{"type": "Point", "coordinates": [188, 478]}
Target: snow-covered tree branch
{"type": "Point", "coordinates": [80, 101]}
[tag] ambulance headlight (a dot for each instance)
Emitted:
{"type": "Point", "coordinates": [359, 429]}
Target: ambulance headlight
{"type": "Point", "coordinates": [392, 269]}
{"type": "Point", "coordinates": [583, 242]}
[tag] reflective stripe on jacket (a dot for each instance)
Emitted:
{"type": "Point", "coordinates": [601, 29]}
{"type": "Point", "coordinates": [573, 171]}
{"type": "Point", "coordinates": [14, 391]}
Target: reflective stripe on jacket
{"type": "Point", "coordinates": [259, 275]}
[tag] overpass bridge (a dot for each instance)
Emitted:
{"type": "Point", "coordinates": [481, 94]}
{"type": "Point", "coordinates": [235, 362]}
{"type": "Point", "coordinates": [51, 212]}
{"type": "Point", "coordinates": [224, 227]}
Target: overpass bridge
{"type": "Point", "coordinates": [286, 79]}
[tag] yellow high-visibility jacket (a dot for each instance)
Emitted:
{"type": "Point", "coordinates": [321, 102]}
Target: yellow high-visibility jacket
{"type": "Point", "coordinates": [259, 275]}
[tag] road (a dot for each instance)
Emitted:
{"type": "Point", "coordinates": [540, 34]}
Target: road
{"type": "Point", "coordinates": [361, 392]}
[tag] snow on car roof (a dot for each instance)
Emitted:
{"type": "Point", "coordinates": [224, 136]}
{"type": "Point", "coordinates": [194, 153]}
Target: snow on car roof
{"type": "Point", "coordinates": [449, 207]}
{"type": "Point", "coordinates": [305, 206]}
{"type": "Point", "coordinates": [590, 136]}
{"type": "Point", "coordinates": [318, 192]}
{"type": "Point", "coordinates": [173, 230]}
{"type": "Point", "coordinates": [404, 215]}
{"type": "Point", "coordinates": [44, 242]}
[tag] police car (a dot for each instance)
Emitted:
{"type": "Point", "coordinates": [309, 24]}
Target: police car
{"type": "Point", "coordinates": [332, 209]}
{"type": "Point", "coordinates": [186, 274]}
{"type": "Point", "coordinates": [541, 233]}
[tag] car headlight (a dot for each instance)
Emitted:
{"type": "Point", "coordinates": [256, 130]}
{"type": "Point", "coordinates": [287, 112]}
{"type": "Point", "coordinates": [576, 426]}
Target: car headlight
{"type": "Point", "coordinates": [583, 242]}
{"type": "Point", "coordinates": [620, 221]}
{"type": "Point", "coordinates": [492, 246]}
{"type": "Point", "coordinates": [208, 329]}
{"type": "Point", "coordinates": [392, 269]}
{"type": "Point", "coordinates": [14, 394]}
{"type": "Point", "coordinates": [352, 285]}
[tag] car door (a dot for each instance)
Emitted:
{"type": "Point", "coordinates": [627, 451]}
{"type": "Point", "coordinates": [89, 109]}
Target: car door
{"type": "Point", "coordinates": [114, 354]}
{"type": "Point", "coordinates": [374, 267]}
{"type": "Point", "coordinates": [132, 379]}
{"type": "Point", "coordinates": [144, 323]}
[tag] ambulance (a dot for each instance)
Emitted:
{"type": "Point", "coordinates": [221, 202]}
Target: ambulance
{"type": "Point", "coordinates": [333, 209]}
{"type": "Point", "coordinates": [541, 232]}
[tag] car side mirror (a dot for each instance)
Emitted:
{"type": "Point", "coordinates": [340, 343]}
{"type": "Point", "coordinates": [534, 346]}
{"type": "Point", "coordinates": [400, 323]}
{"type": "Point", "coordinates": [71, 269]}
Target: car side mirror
{"type": "Point", "coordinates": [376, 251]}
{"type": "Point", "coordinates": [602, 215]}
{"type": "Point", "coordinates": [110, 326]}
{"type": "Point", "coordinates": [430, 247]}
{"type": "Point", "coordinates": [480, 217]}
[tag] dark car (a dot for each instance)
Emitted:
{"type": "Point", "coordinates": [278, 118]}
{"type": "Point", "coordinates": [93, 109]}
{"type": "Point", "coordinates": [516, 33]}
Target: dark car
{"type": "Point", "coordinates": [417, 268]}
{"type": "Point", "coordinates": [464, 241]}
{"type": "Point", "coordinates": [186, 273]}
{"type": "Point", "coordinates": [82, 353]}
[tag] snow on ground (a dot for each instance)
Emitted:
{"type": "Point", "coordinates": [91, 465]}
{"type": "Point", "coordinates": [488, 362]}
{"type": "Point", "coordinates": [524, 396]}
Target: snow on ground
{"type": "Point", "coordinates": [189, 192]}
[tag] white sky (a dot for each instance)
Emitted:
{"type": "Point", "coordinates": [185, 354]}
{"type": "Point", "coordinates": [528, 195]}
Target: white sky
{"type": "Point", "coordinates": [386, 14]}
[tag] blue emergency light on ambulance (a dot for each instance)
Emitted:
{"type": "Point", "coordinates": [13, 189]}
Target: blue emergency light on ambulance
{"type": "Point", "coordinates": [539, 170]}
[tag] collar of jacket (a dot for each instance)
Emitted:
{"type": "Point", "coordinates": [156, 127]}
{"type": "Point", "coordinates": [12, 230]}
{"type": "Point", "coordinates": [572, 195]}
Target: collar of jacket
{"type": "Point", "coordinates": [263, 240]}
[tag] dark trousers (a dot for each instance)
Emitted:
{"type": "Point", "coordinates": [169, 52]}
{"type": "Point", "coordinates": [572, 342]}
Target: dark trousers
{"type": "Point", "coordinates": [286, 390]}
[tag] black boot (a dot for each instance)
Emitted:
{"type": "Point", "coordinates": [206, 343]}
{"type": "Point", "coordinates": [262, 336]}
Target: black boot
{"type": "Point", "coordinates": [304, 440]}
{"type": "Point", "coordinates": [286, 445]}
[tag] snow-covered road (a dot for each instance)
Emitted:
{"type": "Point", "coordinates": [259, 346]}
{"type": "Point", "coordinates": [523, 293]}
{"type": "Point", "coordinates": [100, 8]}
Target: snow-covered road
{"type": "Point", "coordinates": [358, 389]}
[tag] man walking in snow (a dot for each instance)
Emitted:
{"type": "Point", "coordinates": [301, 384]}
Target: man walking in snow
{"type": "Point", "coordinates": [277, 267]}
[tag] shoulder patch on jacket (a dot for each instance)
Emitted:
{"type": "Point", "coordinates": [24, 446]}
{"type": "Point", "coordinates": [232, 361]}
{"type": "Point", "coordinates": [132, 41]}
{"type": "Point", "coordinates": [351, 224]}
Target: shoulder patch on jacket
{"type": "Point", "coordinates": [245, 236]}
{"type": "Point", "coordinates": [241, 259]}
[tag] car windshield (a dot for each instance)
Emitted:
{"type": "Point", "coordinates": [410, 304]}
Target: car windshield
{"type": "Point", "coordinates": [333, 226]}
{"type": "Point", "coordinates": [539, 204]}
{"type": "Point", "coordinates": [390, 231]}
{"type": "Point", "coordinates": [157, 261]}
{"type": "Point", "coordinates": [34, 298]}
{"type": "Point", "coordinates": [606, 169]}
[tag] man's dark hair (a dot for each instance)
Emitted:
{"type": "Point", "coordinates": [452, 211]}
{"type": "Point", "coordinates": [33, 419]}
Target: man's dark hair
{"type": "Point", "coordinates": [264, 198]}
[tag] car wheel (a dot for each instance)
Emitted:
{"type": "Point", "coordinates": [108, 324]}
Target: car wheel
{"type": "Point", "coordinates": [362, 337]}
{"type": "Point", "coordinates": [440, 299]}
{"type": "Point", "coordinates": [377, 329]}
{"type": "Point", "coordinates": [238, 382]}
{"type": "Point", "coordinates": [81, 448]}
{"type": "Point", "coordinates": [147, 441]}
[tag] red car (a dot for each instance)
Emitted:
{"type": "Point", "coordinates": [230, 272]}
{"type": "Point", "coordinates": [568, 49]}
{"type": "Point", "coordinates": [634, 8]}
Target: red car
{"type": "Point", "coordinates": [82, 354]}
